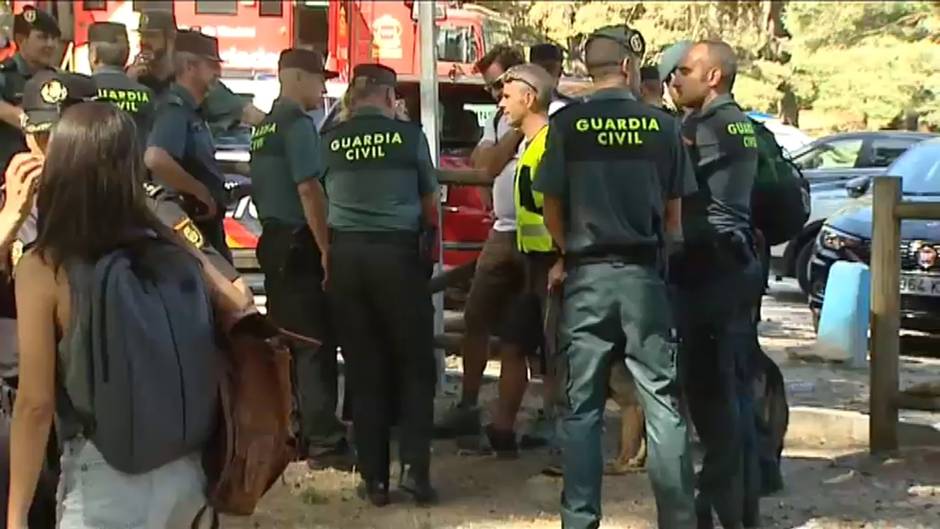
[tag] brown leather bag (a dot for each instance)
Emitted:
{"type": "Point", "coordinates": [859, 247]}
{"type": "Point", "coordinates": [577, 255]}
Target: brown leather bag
{"type": "Point", "coordinates": [254, 442]}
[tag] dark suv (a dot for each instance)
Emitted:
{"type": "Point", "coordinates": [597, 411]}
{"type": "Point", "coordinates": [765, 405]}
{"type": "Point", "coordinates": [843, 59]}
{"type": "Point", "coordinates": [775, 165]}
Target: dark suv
{"type": "Point", "coordinates": [846, 235]}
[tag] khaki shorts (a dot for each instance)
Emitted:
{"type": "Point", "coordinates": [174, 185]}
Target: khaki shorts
{"type": "Point", "coordinates": [525, 326]}
{"type": "Point", "coordinates": [497, 282]}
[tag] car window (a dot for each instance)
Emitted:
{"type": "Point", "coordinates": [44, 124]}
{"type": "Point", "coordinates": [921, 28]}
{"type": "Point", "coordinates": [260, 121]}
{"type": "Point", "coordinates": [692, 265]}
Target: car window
{"type": "Point", "coordinates": [919, 169]}
{"type": "Point", "coordinates": [884, 151]}
{"type": "Point", "coordinates": [835, 154]}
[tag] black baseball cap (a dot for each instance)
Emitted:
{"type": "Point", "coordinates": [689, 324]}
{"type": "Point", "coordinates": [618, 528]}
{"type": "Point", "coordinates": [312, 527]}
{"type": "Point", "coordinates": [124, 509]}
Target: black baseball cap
{"type": "Point", "coordinates": [376, 74]}
{"type": "Point", "coordinates": [649, 73]}
{"type": "Point", "coordinates": [48, 93]}
{"type": "Point", "coordinates": [546, 53]}
{"type": "Point", "coordinates": [157, 20]}
{"type": "Point", "coordinates": [31, 18]}
{"type": "Point", "coordinates": [307, 60]}
{"type": "Point", "coordinates": [107, 32]}
{"type": "Point", "coordinates": [189, 41]}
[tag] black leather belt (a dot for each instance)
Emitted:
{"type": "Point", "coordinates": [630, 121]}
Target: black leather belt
{"type": "Point", "coordinates": [640, 254]}
{"type": "Point", "coordinates": [377, 237]}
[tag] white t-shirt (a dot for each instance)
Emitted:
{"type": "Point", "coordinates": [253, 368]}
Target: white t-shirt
{"type": "Point", "coordinates": [504, 206]}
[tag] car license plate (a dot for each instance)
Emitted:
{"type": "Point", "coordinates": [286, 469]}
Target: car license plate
{"type": "Point", "coordinates": [920, 285]}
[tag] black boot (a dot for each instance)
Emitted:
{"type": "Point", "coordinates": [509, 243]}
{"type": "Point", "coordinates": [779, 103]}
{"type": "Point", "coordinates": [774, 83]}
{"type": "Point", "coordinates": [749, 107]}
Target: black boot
{"type": "Point", "coordinates": [375, 492]}
{"type": "Point", "coordinates": [417, 483]}
{"type": "Point", "coordinates": [703, 514]}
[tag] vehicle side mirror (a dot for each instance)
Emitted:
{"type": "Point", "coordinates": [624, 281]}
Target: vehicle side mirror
{"type": "Point", "coordinates": [857, 187]}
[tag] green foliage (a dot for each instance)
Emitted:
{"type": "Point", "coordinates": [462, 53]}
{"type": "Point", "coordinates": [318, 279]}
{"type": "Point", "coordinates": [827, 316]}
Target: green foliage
{"type": "Point", "coordinates": [870, 60]}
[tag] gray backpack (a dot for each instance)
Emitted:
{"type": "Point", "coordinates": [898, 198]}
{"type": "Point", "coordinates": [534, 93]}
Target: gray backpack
{"type": "Point", "coordinates": [141, 367]}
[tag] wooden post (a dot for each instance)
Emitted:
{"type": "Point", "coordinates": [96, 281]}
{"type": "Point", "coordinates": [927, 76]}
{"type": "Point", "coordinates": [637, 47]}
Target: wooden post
{"type": "Point", "coordinates": [885, 315]}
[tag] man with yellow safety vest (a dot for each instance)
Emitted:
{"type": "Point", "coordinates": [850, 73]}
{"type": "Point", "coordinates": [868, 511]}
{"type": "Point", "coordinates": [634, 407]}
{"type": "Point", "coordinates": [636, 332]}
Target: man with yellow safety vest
{"type": "Point", "coordinates": [526, 95]}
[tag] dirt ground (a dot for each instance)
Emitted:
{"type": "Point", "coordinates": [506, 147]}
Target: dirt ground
{"type": "Point", "coordinates": [826, 487]}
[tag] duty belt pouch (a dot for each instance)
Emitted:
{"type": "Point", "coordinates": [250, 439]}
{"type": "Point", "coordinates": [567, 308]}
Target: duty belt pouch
{"type": "Point", "coordinates": [303, 254]}
{"type": "Point", "coordinates": [427, 242]}
{"type": "Point", "coordinates": [697, 264]}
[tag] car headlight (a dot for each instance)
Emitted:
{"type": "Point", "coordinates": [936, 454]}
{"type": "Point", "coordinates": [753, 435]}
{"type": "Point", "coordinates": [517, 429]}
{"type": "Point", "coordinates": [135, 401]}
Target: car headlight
{"type": "Point", "coordinates": [833, 239]}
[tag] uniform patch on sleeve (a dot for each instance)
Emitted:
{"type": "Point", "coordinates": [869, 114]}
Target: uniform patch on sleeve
{"type": "Point", "coordinates": [16, 251]}
{"type": "Point", "coordinates": [187, 228]}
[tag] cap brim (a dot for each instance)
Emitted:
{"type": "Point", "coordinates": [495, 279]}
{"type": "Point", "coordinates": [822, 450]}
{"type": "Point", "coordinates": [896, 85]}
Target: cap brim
{"type": "Point", "coordinates": [671, 58]}
{"type": "Point", "coordinates": [40, 121]}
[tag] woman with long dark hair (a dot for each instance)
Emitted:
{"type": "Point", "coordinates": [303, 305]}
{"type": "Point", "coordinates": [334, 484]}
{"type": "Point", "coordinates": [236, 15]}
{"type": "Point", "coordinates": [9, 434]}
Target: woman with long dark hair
{"type": "Point", "coordinates": [91, 202]}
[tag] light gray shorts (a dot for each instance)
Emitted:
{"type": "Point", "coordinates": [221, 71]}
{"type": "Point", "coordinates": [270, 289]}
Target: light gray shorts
{"type": "Point", "coordinates": [93, 495]}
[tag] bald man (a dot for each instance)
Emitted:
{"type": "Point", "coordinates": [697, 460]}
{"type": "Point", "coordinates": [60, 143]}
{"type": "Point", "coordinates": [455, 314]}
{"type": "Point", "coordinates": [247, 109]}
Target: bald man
{"type": "Point", "coordinates": [718, 279]}
{"type": "Point", "coordinates": [610, 232]}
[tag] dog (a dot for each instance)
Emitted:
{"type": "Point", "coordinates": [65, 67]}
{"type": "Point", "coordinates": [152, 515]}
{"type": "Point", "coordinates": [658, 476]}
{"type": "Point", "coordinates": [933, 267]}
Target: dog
{"type": "Point", "coordinates": [631, 454]}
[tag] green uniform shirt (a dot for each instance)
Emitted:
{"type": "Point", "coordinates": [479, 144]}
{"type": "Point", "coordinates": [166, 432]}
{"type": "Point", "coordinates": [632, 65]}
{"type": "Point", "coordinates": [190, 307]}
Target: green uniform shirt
{"type": "Point", "coordinates": [724, 152]}
{"type": "Point", "coordinates": [614, 162]}
{"type": "Point", "coordinates": [130, 96]}
{"type": "Point", "coordinates": [180, 130]}
{"type": "Point", "coordinates": [285, 152]}
{"type": "Point", "coordinates": [221, 108]}
{"type": "Point", "coordinates": [376, 171]}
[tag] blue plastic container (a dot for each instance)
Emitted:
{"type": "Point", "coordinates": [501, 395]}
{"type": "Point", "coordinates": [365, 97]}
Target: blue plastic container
{"type": "Point", "coordinates": [844, 319]}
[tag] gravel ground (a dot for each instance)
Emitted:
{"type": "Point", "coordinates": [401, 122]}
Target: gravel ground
{"type": "Point", "coordinates": [827, 487]}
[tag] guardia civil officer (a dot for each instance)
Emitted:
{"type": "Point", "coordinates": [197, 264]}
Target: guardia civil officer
{"type": "Point", "coordinates": [108, 51]}
{"type": "Point", "coordinates": [718, 277]}
{"type": "Point", "coordinates": [382, 191]}
{"type": "Point", "coordinates": [154, 67]}
{"type": "Point", "coordinates": [612, 175]}
{"type": "Point", "coordinates": [285, 168]}
{"type": "Point", "coordinates": [180, 152]}
{"type": "Point", "coordinates": [36, 34]}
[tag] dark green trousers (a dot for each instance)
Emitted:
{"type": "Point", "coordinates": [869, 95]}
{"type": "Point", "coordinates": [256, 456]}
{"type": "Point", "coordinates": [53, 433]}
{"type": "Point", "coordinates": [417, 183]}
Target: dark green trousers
{"type": "Point", "coordinates": [382, 308]}
{"type": "Point", "coordinates": [718, 331]}
{"type": "Point", "coordinates": [290, 261]}
{"type": "Point", "coordinates": [611, 308]}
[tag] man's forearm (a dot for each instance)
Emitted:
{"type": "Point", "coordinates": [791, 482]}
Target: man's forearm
{"type": "Point", "coordinates": [251, 115]}
{"type": "Point", "coordinates": [10, 114]}
{"type": "Point", "coordinates": [313, 200]}
{"type": "Point", "coordinates": [429, 205]}
{"type": "Point", "coordinates": [555, 220]}
{"type": "Point", "coordinates": [673, 221]}
{"type": "Point", "coordinates": [494, 158]}
{"type": "Point", "coordinates": [168, 171]}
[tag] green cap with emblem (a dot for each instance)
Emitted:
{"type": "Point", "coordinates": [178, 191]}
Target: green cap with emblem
{"type": "Point", "coordinates": [628, 37]}
{"type": "Point", "coordinates": [35, 19]}
{"type": "Point", "coordinates": [157, 20]}
{"type": "Point", "coordinates": [47, 94]}
{"type": "Point", "coordinates": [200, 44]}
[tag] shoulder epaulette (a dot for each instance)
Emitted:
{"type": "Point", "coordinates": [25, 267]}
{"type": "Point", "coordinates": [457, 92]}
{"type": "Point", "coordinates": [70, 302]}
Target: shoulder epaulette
{"type": "Point", "coordinates": [173, 99]}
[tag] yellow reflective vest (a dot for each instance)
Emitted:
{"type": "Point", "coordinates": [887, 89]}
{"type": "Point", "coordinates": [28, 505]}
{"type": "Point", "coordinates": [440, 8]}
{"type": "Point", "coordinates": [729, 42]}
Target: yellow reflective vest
{"type": "Point", "coordinates": [531, 233]}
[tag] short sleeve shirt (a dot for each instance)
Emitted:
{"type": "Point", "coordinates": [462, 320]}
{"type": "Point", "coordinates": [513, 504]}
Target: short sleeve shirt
{"type": "Point", "coordinates": [724, 153]}
{"type": "Point", "coordinates": [503, 206]}
{"type": "Point", "coordinates": [376, 171]}
{"type": "Point", "coordinates": [613, 162]}
{"type": "Point", "coordinates": [180, 131]}
{"type": "Point", "coordinates": [285, 152]}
